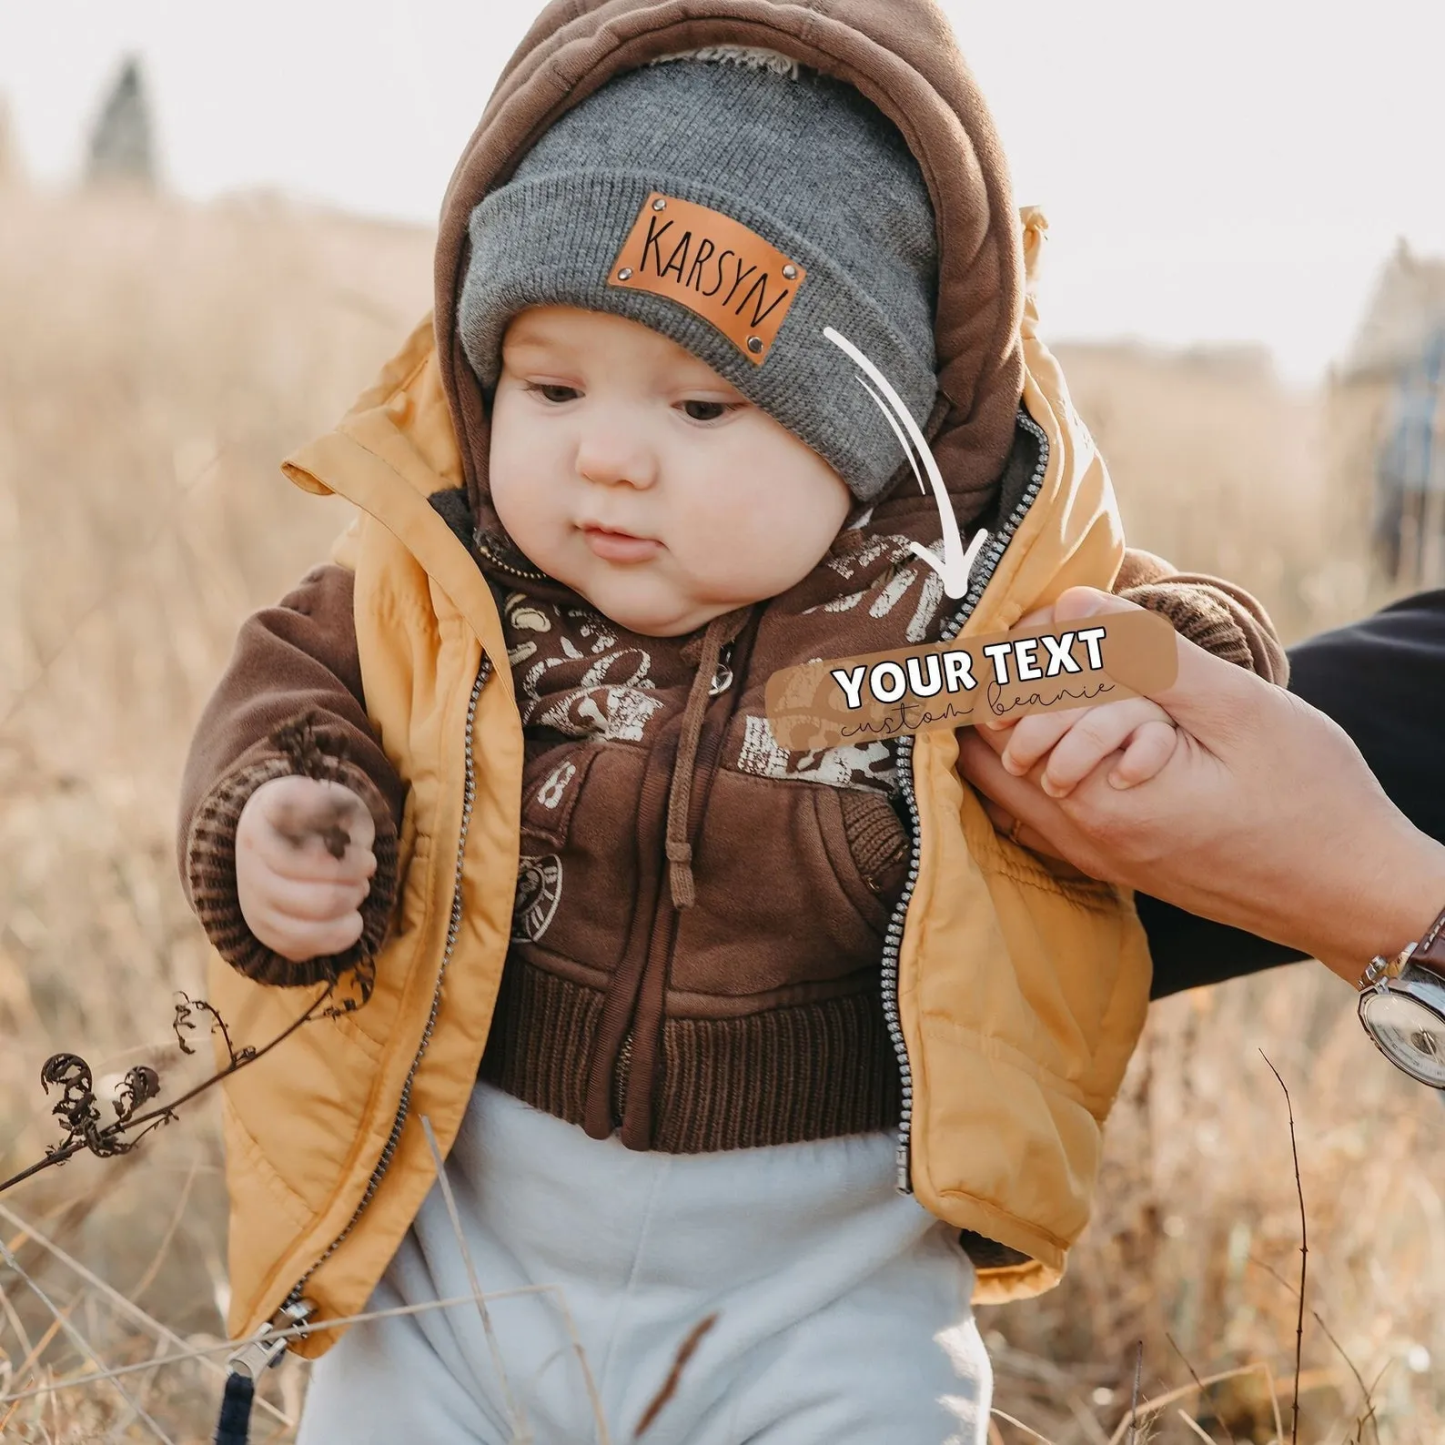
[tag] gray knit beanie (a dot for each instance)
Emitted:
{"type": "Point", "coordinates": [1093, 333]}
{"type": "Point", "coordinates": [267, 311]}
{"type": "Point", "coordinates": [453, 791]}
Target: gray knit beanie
{"type": "Point", "coordinates": [825, 220]}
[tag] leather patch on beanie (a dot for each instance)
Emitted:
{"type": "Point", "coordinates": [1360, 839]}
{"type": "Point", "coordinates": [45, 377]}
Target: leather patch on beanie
{"type": "Point", "coordinates": [715, 266]}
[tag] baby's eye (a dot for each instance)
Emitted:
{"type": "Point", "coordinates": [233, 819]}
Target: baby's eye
{"type": "Point", "coordinates": [554, 393]}
{"type": "Point", "coordinates": [708, 410]}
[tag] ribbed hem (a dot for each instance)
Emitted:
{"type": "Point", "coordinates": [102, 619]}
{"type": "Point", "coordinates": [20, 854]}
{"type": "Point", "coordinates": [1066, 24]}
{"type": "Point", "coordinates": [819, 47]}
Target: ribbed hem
{"type": "Point", "coordinates": [815, 1071]}
{"type": "Point", "coordinates": [211, 863]}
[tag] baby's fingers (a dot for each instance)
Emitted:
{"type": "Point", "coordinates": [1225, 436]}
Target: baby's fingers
{"type": "Point", "coordinates": [1096, 734]}
{"type": "Point", "coordinates": [298, 940]}
{"type": "Point", "coordinates": [1032, 737]}
{"type": "Point", "coordinates": [1148, 751]}
{"type": "Point", "coordinates": [320, 902]}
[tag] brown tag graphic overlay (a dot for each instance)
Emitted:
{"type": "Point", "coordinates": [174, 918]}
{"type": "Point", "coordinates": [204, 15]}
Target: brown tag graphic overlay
{"type": "Point", "coordinates": [715, 266]}
{"type": "Point", "coordinates": [956, 684]}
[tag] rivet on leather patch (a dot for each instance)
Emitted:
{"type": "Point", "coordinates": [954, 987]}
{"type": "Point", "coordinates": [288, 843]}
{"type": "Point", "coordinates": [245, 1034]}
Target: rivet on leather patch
{"type": "Point", "coordinates": [715, 266]}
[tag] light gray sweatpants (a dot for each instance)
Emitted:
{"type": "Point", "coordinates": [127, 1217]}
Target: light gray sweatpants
{"type": "Point", "coordinates": [841, 1307]}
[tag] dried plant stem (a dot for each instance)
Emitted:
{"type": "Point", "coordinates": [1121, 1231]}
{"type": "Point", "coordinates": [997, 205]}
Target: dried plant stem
{"type": "Point", "coordinates": [1274, 1403]}
{"type": "Point", "coordinates": [1204, 1399]}
{"type": "Point", "coordinates": [515, 1417]}
{"type": "Point", "coordinates": [44, 1342]}
{"type": "Point", "coordinates": [1365, 1391]}
{"type": "Point", "coordinates": [594, 1396]}
{"type": "Point", "coordinates": [81, 1343]}
{"type": "Point", "coordinates": [1153, 1407]}
{"type": "Point", "coordinates": [227, 1347]}
{"type": "Point", "coordinates": [146, 1383]}
{"type": "Point", "coordinates": [143, 1123]}
{"type": "Point", "coordinates": [1304, 1250]}
{"type": "Point", "coordinates": [1134, 1399]}
{"type": "Point", "coordinates": [177, 1214]}
{"type": "Point", "coordinates": [1086, 1422]}
{"type": "Point", "coordinates": [1194, 1426]}
{"type": "Point", "coordinates": [685, 1352]}
{"type": "Point", "coordinates": [16, 1323]}
{"type": "Point", "coordinates": [121, 1303]}
{"type": "Point", "coordinates": [1019, 1425]}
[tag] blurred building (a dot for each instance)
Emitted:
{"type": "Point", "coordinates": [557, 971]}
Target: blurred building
{"type": "Point", "coordinates": [121, 143]}
{"type": "Point", "coordinates": [1388, 420]}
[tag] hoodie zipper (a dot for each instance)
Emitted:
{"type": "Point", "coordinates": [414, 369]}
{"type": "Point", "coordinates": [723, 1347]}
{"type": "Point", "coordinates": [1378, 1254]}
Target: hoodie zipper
{"type": "Point", "coordinates": [705, 768]}
{"type": "Point", "coordinates": [454, 923]}
{"type": "Point", "coordinates": [621, 1070]}
{"type": "Point", "coordinates": [524, 574]}
{"type": "Point", "coordinates": [893, 942]}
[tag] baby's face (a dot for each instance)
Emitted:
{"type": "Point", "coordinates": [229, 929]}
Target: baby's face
{"type": "Point", "coordinates": [631, 471]}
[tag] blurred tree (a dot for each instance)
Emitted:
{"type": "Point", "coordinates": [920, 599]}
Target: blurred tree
{"type": "Point", "coordinates": [10, 173]}
{"type": "Point", "coordinates": [120, 142]}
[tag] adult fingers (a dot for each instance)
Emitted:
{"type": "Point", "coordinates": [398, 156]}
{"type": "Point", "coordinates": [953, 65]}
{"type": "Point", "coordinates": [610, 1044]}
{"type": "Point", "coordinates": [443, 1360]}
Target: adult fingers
{"type": "Point", "coordinates": [1050, 830]}
{"type": "Point", "coordinates": [995, 731]}
{"type": "Point", "coordinates": [1016, 831]}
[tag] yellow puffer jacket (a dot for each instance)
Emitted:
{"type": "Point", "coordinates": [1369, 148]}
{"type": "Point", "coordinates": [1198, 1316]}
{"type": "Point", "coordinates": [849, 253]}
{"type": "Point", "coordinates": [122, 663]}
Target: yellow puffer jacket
{"type": "Point", "coordinates": [1021, 994]}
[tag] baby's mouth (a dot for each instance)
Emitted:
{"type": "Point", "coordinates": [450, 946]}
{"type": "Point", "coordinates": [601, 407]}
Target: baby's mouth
{"type": "Point", "coordinates": [614, 546]}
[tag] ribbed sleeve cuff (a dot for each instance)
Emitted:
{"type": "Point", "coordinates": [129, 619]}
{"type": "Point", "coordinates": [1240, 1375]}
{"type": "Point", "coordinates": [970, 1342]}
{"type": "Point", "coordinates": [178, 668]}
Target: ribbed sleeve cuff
{"type": "Point", "coordinates": [211, 863]}
{"type": "Point", "coordinates": [1199, 617]}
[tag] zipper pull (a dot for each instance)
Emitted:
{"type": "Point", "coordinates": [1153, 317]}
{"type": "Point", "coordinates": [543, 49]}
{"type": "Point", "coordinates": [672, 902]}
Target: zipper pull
{"type": "Point", "coordinates": [248, 1364]}
{"type": "Point", "coordinates": [256, 1357]}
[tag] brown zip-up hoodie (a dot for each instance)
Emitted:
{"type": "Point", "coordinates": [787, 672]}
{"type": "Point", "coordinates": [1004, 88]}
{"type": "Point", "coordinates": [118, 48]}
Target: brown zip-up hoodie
{"type": "Point", "coordinates": [700, 916]}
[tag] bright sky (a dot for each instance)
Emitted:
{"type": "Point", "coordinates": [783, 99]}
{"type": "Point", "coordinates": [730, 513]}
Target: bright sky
{"type": "Point", "coordinates": [1222, 172]}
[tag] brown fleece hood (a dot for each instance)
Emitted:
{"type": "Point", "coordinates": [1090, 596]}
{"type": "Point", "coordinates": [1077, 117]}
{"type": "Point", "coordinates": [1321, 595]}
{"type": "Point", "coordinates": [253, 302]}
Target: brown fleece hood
{"type": "Point", "coordinates": [902, 56]}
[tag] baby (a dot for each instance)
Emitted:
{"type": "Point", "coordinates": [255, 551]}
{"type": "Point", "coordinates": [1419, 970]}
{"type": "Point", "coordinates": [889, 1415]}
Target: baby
{"type": "Point", "coordinates": [764, 1062]}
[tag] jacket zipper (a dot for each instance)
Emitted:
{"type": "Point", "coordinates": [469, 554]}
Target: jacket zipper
{"type": "Point", "coordinates": [893, 942]}
{"type": "Point", "coordinates": [454, 923]}
{"type": "Point", "coordinates": [620, 1074]}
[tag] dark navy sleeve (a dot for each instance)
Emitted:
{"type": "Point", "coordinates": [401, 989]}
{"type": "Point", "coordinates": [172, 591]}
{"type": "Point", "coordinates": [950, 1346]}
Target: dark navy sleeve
{"type": "Point", "coordinates": [1383, 681]}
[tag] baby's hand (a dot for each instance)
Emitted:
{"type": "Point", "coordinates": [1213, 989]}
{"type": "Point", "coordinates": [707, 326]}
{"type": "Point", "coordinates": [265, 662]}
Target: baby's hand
{"type": "Point", "coordinates": [1079, 739]}
{"type": "Point", "coordinates": [303, 866]}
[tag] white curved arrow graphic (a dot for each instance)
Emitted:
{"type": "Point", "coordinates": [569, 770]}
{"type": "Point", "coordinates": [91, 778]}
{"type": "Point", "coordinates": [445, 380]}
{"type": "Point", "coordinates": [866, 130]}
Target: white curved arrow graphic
{"type": "Point", "coordinates": [956, 565]}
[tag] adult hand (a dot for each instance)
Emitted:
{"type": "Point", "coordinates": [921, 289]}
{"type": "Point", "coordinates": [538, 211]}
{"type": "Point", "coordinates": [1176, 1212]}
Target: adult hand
{"type": "Point", "coordinates": [1265, 817]}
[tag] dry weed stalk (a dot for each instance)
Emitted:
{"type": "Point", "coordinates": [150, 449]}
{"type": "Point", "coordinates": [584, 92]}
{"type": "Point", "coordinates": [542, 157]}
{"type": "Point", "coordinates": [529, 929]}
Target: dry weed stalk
{"type": "Point", "coordinates": [1304, 1251]}
{"type": "Point", "coordinates": [1203, 1395]}
{"type": "Point", "coordinates": [79, 1109]}
{"type": "Point", "coordinates": [685, 1352]}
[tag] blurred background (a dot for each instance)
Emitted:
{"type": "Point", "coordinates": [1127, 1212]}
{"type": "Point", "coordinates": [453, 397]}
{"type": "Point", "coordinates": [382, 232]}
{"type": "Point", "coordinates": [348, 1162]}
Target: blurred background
{"type": "Point", "coordinates": [215, 228]}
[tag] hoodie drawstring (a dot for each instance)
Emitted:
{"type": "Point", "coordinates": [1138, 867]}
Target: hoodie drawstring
{"type": "Point", "coordinates": [721, 632]}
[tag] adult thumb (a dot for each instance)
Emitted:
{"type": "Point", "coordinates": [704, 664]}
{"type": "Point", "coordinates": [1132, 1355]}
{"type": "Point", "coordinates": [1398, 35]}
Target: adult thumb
{"type": "Point", "coordinates": [1206, 691]}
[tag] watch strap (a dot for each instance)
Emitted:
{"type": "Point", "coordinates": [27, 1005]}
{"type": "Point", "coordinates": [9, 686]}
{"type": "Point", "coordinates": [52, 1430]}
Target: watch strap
{"type": "Point", "coordinates": [1430, 951]}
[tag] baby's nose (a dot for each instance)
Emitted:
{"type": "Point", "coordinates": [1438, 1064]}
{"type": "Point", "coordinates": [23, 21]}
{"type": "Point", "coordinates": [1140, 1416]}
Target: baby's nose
{"type": "Point", "coordinates": [612, 457]}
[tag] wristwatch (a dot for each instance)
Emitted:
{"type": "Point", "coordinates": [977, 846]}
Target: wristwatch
{"type": "Point", "coordinates": [1402, 1006]}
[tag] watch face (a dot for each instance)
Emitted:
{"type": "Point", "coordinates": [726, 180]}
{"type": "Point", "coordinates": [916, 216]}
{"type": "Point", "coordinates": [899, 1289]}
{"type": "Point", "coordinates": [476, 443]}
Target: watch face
{"type": "Point", "coordinates": [1410, 1035]}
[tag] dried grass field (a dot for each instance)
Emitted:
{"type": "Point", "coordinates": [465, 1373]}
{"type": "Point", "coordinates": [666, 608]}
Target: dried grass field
{"type": "Point", "coordinates": [156, 361]}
